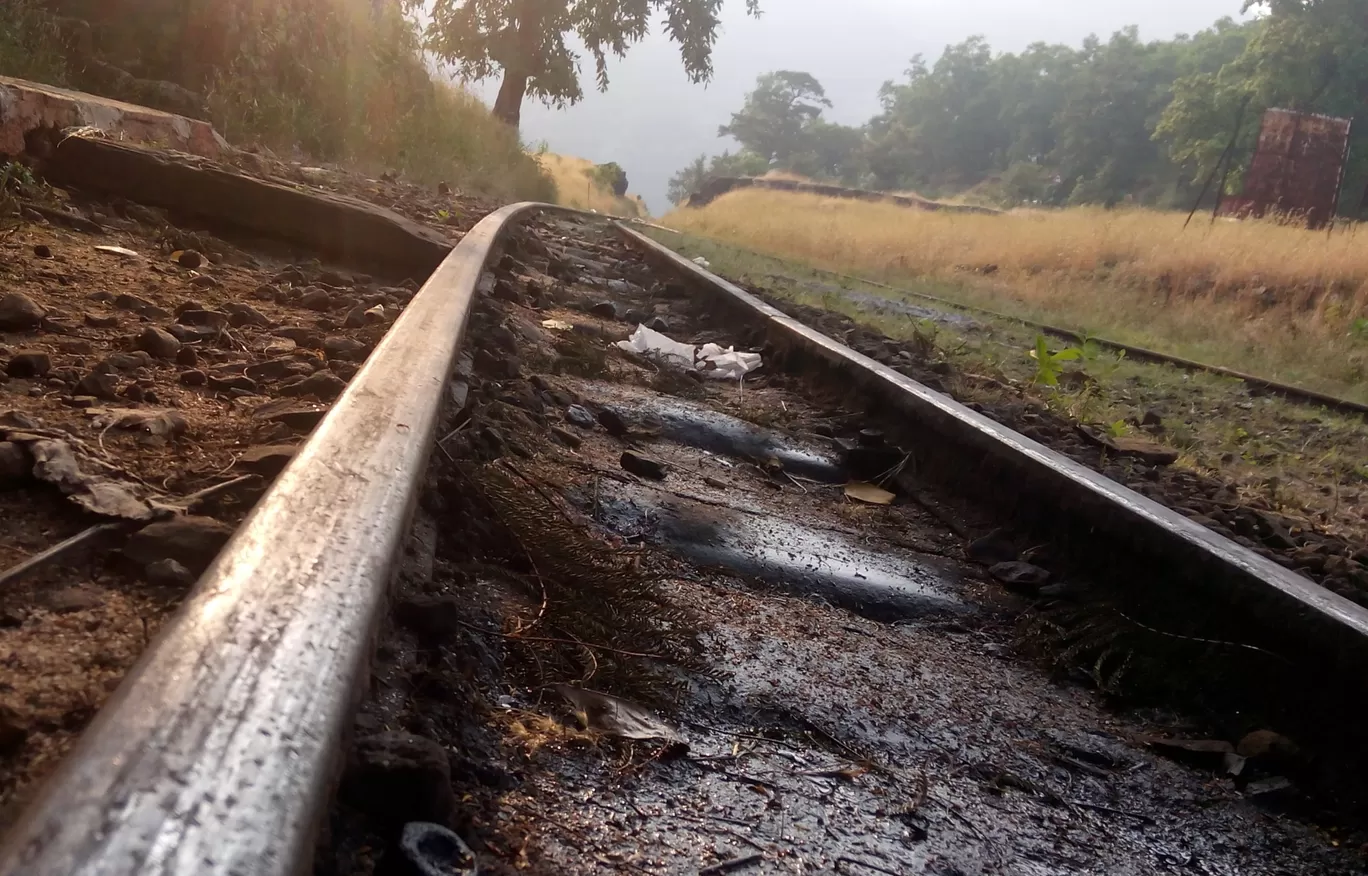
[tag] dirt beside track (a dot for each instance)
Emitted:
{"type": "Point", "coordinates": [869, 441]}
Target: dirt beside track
{"type": "Point", "coordinates": [825, 684]}
{"type": "Point", "coordinates": [159, 360]}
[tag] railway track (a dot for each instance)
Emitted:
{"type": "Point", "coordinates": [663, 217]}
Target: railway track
{"type": "Point", "coordinates": [500, 505]}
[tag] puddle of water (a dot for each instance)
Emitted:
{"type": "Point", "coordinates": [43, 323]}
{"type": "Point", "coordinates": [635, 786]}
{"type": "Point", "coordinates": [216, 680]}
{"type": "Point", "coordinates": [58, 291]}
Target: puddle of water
{"type": "Point", "coordinates": [830, 565]}
{"type": "Point", "coordinates": [715, 432]}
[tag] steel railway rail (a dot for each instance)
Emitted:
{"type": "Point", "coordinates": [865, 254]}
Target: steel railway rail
{"type": "Point", "coordinates": [219, 751]}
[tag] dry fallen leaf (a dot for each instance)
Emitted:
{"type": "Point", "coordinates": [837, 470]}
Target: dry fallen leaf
{"type": "Point", "coordinates": [868, 493]}
{"type": "Point", "coordinates": [616, 716]}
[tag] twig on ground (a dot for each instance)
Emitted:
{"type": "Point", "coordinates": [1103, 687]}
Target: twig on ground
{"type": "Point", "coordinates": [58, 551]}
{"type": "Point", "coordinates": [868, 866]}
{"type": "Point", "coordinates": [555, 641]}
{"type": "Point", "coordinates": [733, 864]}
{"type": "Point", "coordinates": [1098, 807]}
{"type": "Point", "coordinates": [204, 495]}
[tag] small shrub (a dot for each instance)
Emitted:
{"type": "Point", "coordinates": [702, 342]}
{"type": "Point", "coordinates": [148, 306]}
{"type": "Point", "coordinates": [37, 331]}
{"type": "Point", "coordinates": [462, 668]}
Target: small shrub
{"type": "Point", "coordinates": [30, 43]}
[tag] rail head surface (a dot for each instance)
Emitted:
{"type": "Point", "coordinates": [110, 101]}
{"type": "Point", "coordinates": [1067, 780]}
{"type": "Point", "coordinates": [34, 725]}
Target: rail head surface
{"type": "Point", "coordinates": [1334, 620]}
{"type": "Point", "coordinates": [217, 752]}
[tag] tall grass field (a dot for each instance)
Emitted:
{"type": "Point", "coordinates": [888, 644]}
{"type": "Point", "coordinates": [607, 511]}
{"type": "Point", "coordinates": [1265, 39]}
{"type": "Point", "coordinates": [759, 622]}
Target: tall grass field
{"type": "Point", "coordinates": [1259, 296]}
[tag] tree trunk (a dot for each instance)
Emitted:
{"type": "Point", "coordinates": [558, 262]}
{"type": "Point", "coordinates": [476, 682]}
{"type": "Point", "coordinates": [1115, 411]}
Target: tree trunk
{"type": "Point", "coordinates": [508, 106]}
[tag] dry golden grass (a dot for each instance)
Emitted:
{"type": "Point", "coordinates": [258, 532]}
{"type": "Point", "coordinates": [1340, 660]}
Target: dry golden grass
{"type": "Point", "coordinates": [1258, 296]}
{"type": "Point", "coordinates": [576, 187]}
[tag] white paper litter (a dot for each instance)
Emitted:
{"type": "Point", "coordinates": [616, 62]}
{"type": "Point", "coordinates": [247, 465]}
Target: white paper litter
{"type": "Point", "coordinates": [726, 364]}
{"type": "Point", "coordinates": [710, 360]}
{"type": "Point", "coordinates": [702, 262]}
{"type": "Point", "coordinates": [653, 345]}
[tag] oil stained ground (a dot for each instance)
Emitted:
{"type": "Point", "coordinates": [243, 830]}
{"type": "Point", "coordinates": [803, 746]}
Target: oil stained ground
{"type": "Point", "coordinates": [881, 584]}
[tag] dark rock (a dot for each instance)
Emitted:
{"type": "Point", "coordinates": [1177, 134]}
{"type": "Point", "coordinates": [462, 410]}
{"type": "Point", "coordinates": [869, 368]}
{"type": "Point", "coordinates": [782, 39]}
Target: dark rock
{"type": "Point", "coordinates": [613, 423]}
{"type": "Point", "coordinates": [1020, 576]}
{"type": "Point", "coordinates": [398, 777]}
{"type": "Point", "coordinates": [66, 600]}
{"type": "Point", "coordinates": [126, 361]}
{"type": "Point", "coordinates": [158, 342]}
{"type": "Point", "coordinates": [15, 465]}
{"type": "Point", "coordinates": [190, 334]}
{"type": "Point", "coordinates": [316, 298]}
{"type": "Point", "coordinates": [99, 385]}
{"type": "Point", "coordinates": [335, 278]}
{"type": "Point", "coordinates": [658, 324]}
{"type": "Point", "coordinates": [134, 393]}
{"type": "Point", "coordinates": [168, 573]}
{"type": "Point", "coordinates": [187, 357]}
{"type": "Point", "coordinates": [266, 292]}
{"type": "Point", "coordinates": [634, 317]}
{"type": "Point", "coordinates": [194, 378]}
{"type": "Point", "coordinates": [505, 367]}
{"type": "Point", "coordinates": [871, 438]}
{"type": "Point", "coordinates": [566, 437]}
{"type": "Point", "coordinates": [240, 314]}
{"type": "Point", "coordinates": [29, 364]}
{"type": "Point", "coordinates": [304, 337]}
{"type": "Point", "coordinates": [433, 850]}
{"type": "Point", "coordinates": [267, 461]}
{"type": "Point", "coordinates": [346, 349]}
{"type": "Point", "coordinates": [344, 370]}
{"type": "Point", "coordinates": [43, 251]}
{"type": "Point", "coordinates": [506, 291]}
{"type": "Point", "coordinates": [1270, 749]}
{"type": "Point", "coordinates": [101, 320]}
{"type": "Point", "coordinates": [190, 259]}
{"type": "Point", "coordinates": [299, 417]}
{"type": "Point", "coordinates": [356, 317]}
{"type": "Point", "coordinates": [293, 276]}
{"type": "Point", "coordinates": [191, 541]}
{"type": "Point", "coordinates": [642, 466]}
{"type": "Point", "coordinates": [1146, 451]}
{"type": "Point", "coordinates": [1273, 533]}
{"type": "Point", "coordinates": [501, 337]}
{"type": "Point", "coordinates": [204, 281]}
{"type": "Point", "coordinates": [211, 318]}
{"type": "Point", "coordinates": [18, 312]}
{"type": "Point", "coordinates": [605, 309]}
{"type": "Point", "coordinates": [1151, 418]}
{"type": "Point", "coordinates": [322, 385]}
{"type": "Point", "coordinates": [232, 382]}
{"type": "Point", "coordinates": [133, 303]}
{"type": "Point", "coordinates": [13, 733]}
{"type": "Point", "coordinates": [278, 369]}
{"type": "Point", "coordinates": [434, 617]}
{"type": "Point", "coordinates": [992, 549]}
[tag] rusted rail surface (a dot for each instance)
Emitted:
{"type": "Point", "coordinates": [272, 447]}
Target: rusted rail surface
{"type": "Point", "coordinates": [217, 754]}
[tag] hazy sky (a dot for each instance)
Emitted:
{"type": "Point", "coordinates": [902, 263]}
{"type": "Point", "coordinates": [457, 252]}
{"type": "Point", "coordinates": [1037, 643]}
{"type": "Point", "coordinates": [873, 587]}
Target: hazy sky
{"type": "Point", "coordinates": [652, 121]}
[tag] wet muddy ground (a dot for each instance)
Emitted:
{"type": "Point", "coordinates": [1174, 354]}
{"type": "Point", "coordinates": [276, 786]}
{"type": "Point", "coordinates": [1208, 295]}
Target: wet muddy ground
{"type": "Point", "coordinates": [809, 682]}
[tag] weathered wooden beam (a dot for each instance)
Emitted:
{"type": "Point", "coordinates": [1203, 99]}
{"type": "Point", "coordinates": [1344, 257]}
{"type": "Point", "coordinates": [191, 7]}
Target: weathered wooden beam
{"type": "Point", "coordinates": [344, 228]}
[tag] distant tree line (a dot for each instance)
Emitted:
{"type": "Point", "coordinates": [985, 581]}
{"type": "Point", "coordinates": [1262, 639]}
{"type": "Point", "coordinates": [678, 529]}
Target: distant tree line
{"type": "Point", "coordinates": [1121, 120]}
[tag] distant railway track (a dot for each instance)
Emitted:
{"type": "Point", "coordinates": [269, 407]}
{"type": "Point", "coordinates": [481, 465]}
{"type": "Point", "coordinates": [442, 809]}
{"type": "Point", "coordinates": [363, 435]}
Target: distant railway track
{"type": "Point", "coordinates": [219, 752]}
{"type": "Point", "coordinates": [1144, 354]}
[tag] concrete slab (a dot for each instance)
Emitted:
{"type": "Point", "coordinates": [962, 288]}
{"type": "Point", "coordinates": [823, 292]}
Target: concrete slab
{"type": "Point", "coordinates": [26, 106]}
